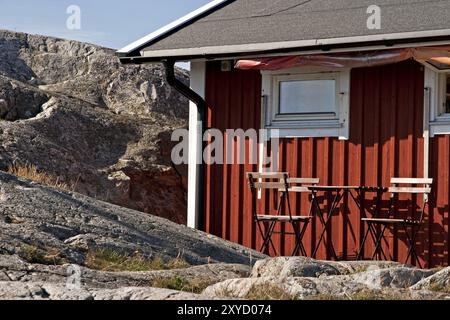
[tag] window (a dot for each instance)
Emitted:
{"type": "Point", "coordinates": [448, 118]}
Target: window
{"type": "Point", "coordinates": [445, 93]}
{"type": "Point", "coordinates": [308, 97]}
{"type": "Point", "coordinates": [306, 104]}
{"type": "Point", "coordinates": [437, 97]}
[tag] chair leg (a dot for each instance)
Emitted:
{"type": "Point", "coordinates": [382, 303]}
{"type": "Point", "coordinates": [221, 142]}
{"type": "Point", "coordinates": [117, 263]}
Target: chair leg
{"type": "Point", "coordinates": [379, 240]}
{"type": "Point", "coordinates": [263, 236]}
{"type": "Point", "coordinates": [361, 248]}
{"type": "Point", "coordinates": [302, 234]}
{"type": "Point", "coordinates": [411, 242]}
{"type": "Point", "coordinates": [299, 238]}
{"type": "Point", "coordinates": [268, 238]}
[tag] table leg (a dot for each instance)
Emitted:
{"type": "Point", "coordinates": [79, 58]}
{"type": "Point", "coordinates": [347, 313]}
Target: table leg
{"type": "Point", "coordinates": [325, 223]}
{"type": "Point", "coordinates": [359, 203]}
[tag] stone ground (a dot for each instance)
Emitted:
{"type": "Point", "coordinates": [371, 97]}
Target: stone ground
{"type": "Point", "coordinates": [70, 225]}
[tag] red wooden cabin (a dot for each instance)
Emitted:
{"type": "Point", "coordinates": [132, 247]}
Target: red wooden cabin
{"type": "Point", "coordinates": [370, 121]}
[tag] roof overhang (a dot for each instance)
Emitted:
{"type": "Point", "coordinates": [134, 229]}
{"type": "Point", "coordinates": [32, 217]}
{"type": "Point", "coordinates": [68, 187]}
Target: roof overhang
{"type": "Point", "coordinates": [139, 51]}
{"type": "Point", "coordinates": [363, 43]}
{"type": "Point", "coordinates": [134, 48]}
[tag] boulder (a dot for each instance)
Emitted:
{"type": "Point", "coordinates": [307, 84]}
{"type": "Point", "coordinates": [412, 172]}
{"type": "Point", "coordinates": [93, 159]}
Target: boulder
{"type": "Point", "coordinates": [49, 291]}
{"type": "Point", "coordinates": [398, 277]}
{"type": "Point", "coordinates": [284, 267]}
{"type": "Point", "coordinates": [305, 278]}
{"type": "Point", "coordinates": [439, 281]}
{"type": "Point", "coordinates": [297, 288]}
{"type": "Point", "coordinates": [351, 267]}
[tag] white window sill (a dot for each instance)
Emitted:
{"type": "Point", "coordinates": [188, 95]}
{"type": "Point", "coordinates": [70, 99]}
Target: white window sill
{"type": "Point", "coordinates": [440, 126]}
{"type": "Point", "coordinates": [309, 129]}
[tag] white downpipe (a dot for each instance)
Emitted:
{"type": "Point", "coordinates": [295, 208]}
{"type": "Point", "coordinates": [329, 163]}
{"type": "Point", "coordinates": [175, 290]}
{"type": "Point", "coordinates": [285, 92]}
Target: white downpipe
{"type": "Point", "coordinates": [195, 146]}
{"type": "Point", "coordinates": [430, 85]}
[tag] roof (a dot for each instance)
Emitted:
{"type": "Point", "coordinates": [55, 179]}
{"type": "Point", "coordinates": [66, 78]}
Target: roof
{"type": "Point", "coordinates": [251, 26]}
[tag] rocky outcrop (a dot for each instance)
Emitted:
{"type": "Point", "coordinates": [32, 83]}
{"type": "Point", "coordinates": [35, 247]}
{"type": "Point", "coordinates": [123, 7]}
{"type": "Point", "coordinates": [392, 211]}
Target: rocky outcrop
{"type": "Point", "coordinates": [440, 281]}
{"type": "Point", "coordinates": [66, 227]}
{"type": "Point", "coordinates": [103, 129]}
{"type": "Point", "coordinates": [71, 224]}
{"type": "Point", "coordinates": [51, 291]}
{"type": "Point", "coordinates": [303, 278]}
{"type": "Point", "coordinates": [15, 269]}
{"type": "Point", "coordinates": [285, 267]}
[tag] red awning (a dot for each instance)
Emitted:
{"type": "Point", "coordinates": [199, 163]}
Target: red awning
{"type": "Point", "coordinates": [349, 60]}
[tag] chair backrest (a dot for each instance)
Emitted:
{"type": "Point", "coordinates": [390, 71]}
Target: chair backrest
{"type": "Point", "coordinates": [302, 184]}
{"type": "Point", "coordinates": [411, 186]}
{"type": "Point", "coordinates": [268, 180]}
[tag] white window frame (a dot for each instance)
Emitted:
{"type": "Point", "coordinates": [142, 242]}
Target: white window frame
{"type": "Point", "coordinates": [307, 125]}
{"type": "Point", "coordinates": [439, 123]}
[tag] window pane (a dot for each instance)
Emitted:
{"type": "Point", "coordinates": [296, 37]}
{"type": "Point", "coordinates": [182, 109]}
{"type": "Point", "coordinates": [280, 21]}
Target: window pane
{"type": "Point", "coordinates": [440, 66]}
{"type": "Point", "coordinates": [447, 94]}
{"type": "Point", "coordinates": [312, 96]}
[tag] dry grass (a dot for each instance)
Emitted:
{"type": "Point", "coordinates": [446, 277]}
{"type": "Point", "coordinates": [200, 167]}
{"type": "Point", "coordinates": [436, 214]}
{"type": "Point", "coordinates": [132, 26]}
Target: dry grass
{"type": "Point", "coordinates": [114, 261]}
{"type": "Point", "coordinates": [268, 292]}
{"type": "Point", "coordinates": [371, 295]}
{"type": "Point", "coordinates": [439, 287]}
{"type": "Point", "coordinates": [181, 284]}
{"type": "Point", "coordinates": [364, 296]}
{"type": "Point", "coordinates": [33, 254]}
{"type": "Point", "coordinates": [31, 172]}
{"type": "Point", "coordinates": [357, 269]}
{"type": "Point", "coordinates": [273, 292]}
{"type": "Point", "coordinates": [326, 297]}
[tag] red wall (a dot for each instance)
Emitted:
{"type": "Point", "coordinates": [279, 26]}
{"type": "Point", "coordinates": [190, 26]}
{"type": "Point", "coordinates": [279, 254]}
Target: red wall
{"type": "Point", "coordinates": [386, 125]}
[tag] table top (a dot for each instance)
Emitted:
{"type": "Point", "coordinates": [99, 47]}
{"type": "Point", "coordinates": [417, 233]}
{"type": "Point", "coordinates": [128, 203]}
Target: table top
{"type": "Point", "coordinates": [338, 188]}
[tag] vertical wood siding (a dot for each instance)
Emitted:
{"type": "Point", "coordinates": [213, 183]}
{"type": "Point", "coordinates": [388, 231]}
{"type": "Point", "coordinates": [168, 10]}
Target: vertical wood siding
{"type": "Point", "coordinates": [386, 127]}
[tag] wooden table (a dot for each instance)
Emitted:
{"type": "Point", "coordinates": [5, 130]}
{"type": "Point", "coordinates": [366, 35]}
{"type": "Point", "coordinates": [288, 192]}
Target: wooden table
{"type": "Point", "coordinates": [357, 194]}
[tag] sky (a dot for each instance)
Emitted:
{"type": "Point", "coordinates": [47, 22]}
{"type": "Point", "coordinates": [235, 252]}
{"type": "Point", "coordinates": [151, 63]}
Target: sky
{"type": "Point", "coordinates": [109, 23]}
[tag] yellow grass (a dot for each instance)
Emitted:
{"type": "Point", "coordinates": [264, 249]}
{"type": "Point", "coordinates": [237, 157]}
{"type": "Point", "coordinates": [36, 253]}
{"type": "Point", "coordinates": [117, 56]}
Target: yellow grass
{"type": "Point", "coordinates": [268, 292]}
{"type": "Point", "coordinates": [111, 260]}
{"type": "Point", "coordinates": [30, 172]}
{"type": "Point", "coordinates": [33, 254]}
{"type": "Point", "coordinates": [181, 284]}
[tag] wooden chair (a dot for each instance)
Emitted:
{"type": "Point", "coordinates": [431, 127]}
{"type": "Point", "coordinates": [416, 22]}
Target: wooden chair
{"type": "Point", "coordinates": [413, 186]}
{"type": "Point", "coordinates": [280, 182]}
{"type": "Point", "coordinates": [300, 185]}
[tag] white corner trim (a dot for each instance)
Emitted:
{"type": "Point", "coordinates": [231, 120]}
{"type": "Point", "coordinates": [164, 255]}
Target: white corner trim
{"type": "Point", "coordinates": [195, 146]}
{"type": "Point", "coordinates": [171, 26]}
{"type": "Point", "coordinates": [426, 123]}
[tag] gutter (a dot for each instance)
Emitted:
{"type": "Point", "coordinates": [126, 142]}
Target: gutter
{"type": "Point", "coordinates": [201, 108]}
{"type": "Point", "coordinates": [184, 89]}
{"type": "Point", "coordinates": [304, 47]}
